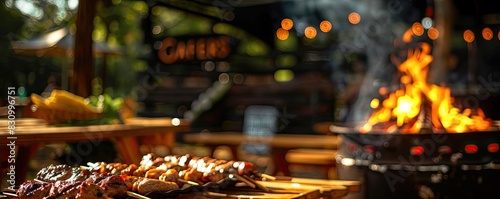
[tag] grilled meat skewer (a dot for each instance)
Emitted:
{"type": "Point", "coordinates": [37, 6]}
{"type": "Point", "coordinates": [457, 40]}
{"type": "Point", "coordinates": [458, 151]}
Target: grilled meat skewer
{"type": "Point", "coordinates": [60, 189]}
{"type": "Point", "coordinates": [114, 179]}
{"type": "Point", "coordinates": [112, 185]}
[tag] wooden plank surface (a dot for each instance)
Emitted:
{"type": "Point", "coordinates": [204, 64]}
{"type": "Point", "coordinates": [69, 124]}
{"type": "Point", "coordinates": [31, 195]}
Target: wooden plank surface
{"type": "Point", "coordinates": [278, 140]}
{"type": "Point", "coordinates": [51, 134]}
{"type": "Point", "coordinates": [280, 144]}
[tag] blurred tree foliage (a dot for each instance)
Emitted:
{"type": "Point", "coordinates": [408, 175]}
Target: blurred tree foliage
{"type": "Point", "coordinates": [12, 23]}
{"type": "Point", "coordinates": [117, 23]}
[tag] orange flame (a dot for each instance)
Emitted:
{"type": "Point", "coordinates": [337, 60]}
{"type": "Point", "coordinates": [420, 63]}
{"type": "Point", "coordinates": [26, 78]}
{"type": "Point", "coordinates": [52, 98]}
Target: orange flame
{"type": "Point", "coordinates": [404, 106]}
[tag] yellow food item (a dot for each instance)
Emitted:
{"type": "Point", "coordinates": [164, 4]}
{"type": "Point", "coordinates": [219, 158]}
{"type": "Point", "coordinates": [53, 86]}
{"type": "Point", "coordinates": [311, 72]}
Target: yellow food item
{"type": "Point", "coordinates": [38, 100]}
{"type": "Point", "coordinates": [64, 101]}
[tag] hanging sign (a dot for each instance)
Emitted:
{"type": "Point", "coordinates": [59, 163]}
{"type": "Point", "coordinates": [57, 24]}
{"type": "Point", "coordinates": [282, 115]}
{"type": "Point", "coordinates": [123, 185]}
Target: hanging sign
{"type": "Point", "coordinates": [215, 47]}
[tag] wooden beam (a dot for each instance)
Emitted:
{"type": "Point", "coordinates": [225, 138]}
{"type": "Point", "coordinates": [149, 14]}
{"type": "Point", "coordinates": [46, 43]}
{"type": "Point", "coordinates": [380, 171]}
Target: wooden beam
{"type": "Point", "coordinates": [83, 66]}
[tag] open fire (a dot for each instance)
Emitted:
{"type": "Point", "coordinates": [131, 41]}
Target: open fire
{"type": "Point", "coordinates": [419, 106]}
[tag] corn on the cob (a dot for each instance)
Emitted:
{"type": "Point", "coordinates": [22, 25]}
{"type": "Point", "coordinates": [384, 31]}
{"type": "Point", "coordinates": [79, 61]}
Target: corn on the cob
{"type": "Point", "coordinates": [65, 101]}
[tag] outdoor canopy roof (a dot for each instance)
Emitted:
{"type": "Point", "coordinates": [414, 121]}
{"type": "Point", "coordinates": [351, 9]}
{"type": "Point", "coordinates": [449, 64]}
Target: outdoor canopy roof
{"type": "Point", "coordinates": [58, 42]}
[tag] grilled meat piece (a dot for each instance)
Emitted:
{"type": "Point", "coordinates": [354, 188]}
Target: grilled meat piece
{"type": "Point", "coordinates": [154, 173]}
{"type": "Point", "coordinates": [129, 170]}
{"type": "Point", "coordinates": [170, 175]}
{"type": "Point", "coordinates": [91, 191]}
{"type": "Point", "coordinates": [67, 180]}
{"type": "Point", "coordinates": [66, 188]}
{"type": "Point", "coordinates": [129, 181]}
{"type": "Point", "coordinates": [33, 190]}
{"type": "Point", "coordinates": [80, 176]}
{"type": "Point", "coordinates": [114, 186]}
{"type": "Point", "coordinates": [145, 186]}
{"type": "Point", "coordinates": [212, 176]}
{"type": "Point", "coordinates": [54, 173]}
{"type": "Point", "coordinates": [60, 190]}
{"type": "Point", "coordinates": [96, 178]}
{"type": "Point", "coordinates": [193, 175]}
{"type": "Point", "coordinates": [76, 190]}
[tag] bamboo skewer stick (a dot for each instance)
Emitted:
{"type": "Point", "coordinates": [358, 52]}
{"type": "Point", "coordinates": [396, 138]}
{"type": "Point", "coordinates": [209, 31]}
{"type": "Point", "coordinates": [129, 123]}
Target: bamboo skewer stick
{"type": "Point", "coordinates": [242, 179]}
{"type": "Point", "coordinates": [260, 186]}
{"type": "Point", "coordinates": [136, 195]}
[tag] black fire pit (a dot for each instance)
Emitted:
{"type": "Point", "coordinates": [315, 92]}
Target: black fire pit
{"type": "Point", "coordinates": [425, 165]}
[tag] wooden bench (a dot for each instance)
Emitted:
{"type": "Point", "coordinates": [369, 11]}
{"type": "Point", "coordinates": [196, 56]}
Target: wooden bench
{"type": "Point", "coordinates": [286, 149]}
{"type": "Point", "coordinates": [298, 159]}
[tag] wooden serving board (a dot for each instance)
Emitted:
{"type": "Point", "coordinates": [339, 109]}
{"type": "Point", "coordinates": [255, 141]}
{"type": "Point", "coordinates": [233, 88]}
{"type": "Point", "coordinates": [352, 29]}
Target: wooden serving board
{"type": "Point", "coordinates": [244, 192]}
{"type": "Point", "coordinates": [277, 190]}
{"type": "Point", "coordinates": [352, 186]}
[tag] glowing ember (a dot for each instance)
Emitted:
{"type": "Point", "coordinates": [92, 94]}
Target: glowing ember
{"type": "Point", "coordinates": [404, 109]}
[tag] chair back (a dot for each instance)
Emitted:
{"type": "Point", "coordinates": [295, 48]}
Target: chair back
{"type": "Point", "coordinates": [260, 121]}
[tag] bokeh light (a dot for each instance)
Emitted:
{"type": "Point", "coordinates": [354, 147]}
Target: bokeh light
{"type": "Point", "coordinates": [374, 103]}
{"type": "Point", "coordinates": [487, 33]}
{"type": "Point", "coordinates": [209, 66]}
{"type": "Point", "coordinates": [229, 15]}
{"type": "Point", "coordinates": [427, 22]}
{"type": "Point", "coordinates": [433, 33]}
{"type": "Point", "coordinates": [283, 75]}
{"type": "Point", "coordinates": [223, 66]}
{"type": "Point", "coordinates": [417, 29]}
{"type": "Point", "coordinates": [238, 79]}
{"type": "Point", "coordinates": [354, 18]}
{"type": "Point", "coordinates": [157, 30]}
{"type": "Point", "coordinates": [224, 78]}
{"type": "Point", "coordinates": [310, 32]}
{"type": "Point", "coordinates": [469, 36]}
{"type": "Point", "coordinates": [21, 91]}
{"type": "Point", "coordinates": [325, 26]}
{"type": "Point", "coordinates": [176, 121]}
{"type": "Point", "coordinates": [383, 91]}
{"type": "Point", "coordinates": [286, 23]}
{"type": "Point", "coordinates": [407, 36]}
{"type": "Point", "coordinates": [282, 34]}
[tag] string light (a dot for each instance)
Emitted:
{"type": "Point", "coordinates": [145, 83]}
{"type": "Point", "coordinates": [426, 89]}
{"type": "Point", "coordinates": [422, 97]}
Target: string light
{"type": "Point", "coordinates": [433, 33]}
{"type": "Point", "coordinates": [282, 34]}
{"type": "Point", "coordinates": [286, 24]}
{"type": "Point", "coordinates": [354, 18]}
{"type": "Point", "coordinates": [310, 32]}
{"type": "Point", "coordinates": [487, 34]}
{"type": "Point", "coordinates": [468, 36]}
{"type": "Point", "coordinates": [325, 26]}
{"type": "Point", "coordinates": [417, 29]}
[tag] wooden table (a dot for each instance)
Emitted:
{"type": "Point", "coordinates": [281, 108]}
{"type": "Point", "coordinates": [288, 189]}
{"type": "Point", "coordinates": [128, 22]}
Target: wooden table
{"type": "Point", "coordinates": [323, 127]}
{"type": "Point", "coordinates": [31, 133]}
{"type": "Point", "coordinates": [280, 144]}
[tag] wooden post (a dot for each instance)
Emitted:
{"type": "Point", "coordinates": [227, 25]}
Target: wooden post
{"type": "Point", "coordinates": [83, 65]}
